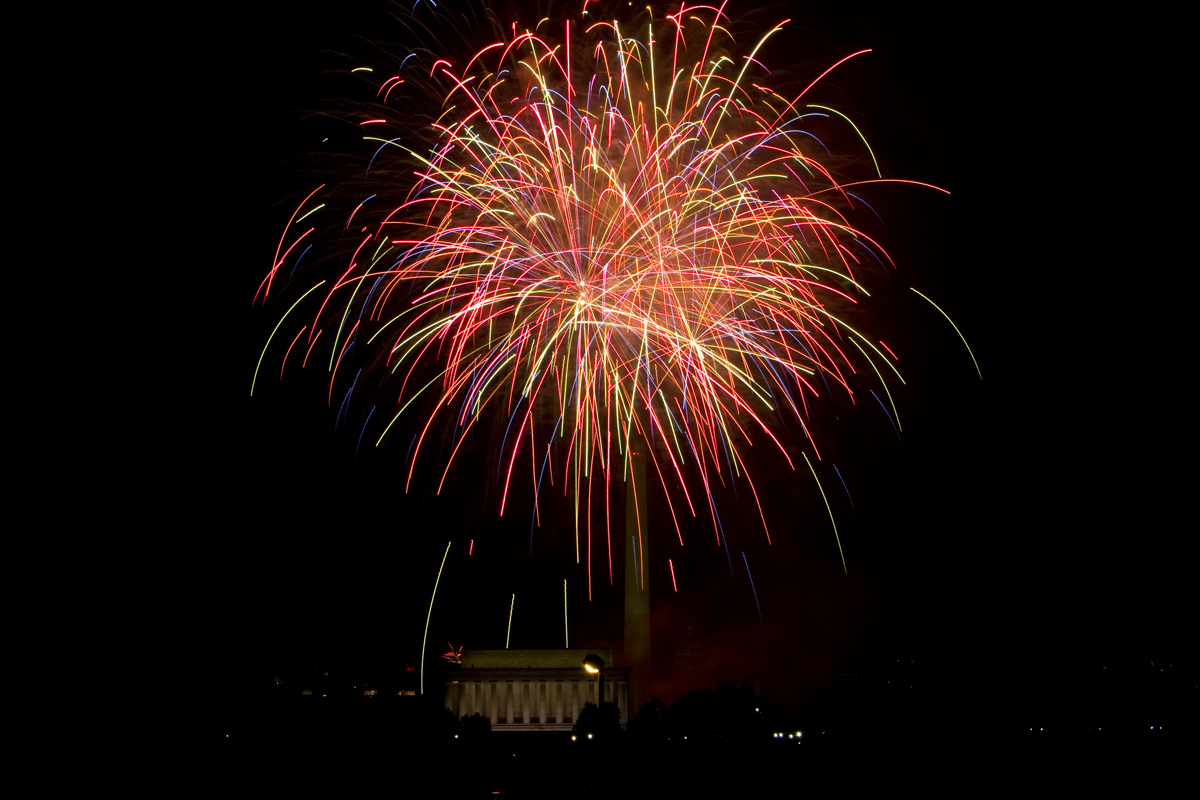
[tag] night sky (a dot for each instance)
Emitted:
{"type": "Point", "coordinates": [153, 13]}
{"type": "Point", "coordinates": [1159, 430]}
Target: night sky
{"type": "Point", "coordinates": [1035, 521]}
{"type": "Point", "coordinates": [1024, 516]}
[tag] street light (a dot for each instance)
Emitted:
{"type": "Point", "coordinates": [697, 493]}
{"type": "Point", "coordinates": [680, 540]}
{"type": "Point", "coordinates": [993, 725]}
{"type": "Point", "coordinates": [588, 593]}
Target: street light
{"type": "Point", "coordinates": [594, 665]}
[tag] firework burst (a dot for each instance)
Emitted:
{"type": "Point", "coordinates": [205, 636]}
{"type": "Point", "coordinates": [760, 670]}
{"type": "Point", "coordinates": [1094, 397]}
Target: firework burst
{"type": "Point", "coordinates": [617, 236]}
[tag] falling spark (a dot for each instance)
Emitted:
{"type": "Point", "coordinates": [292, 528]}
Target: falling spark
{"type": "Point", "coordinates": [956, 330]}
{"type": "Point", "coordinates": [847, 488]}
{"type": "Point", "coordinates": [830, 511]}
{"type": "Point", "coordinates": [511, 606]}
{"type": "Point", "coordinates": [760, 619]}
{"type": "Point", "coordinates": [429, 616]}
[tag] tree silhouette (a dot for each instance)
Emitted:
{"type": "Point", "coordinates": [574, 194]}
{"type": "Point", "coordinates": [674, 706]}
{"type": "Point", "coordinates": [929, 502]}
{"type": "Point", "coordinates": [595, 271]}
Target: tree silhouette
{"type": "Point", "coordinates": [650, 724]}
{"type": "Point", "coordinates": [475, 727]}
{"type": "Point", "coordinates": [603, 722]}
{"type": "Point", "coordinates": [731, 712]}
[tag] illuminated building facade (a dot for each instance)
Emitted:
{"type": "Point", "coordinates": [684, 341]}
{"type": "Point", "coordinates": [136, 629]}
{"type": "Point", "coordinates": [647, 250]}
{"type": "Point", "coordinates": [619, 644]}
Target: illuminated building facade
{"type": "Point", "coordinates": [532, 690]}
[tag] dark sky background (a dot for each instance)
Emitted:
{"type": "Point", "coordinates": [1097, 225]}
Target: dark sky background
{"type": "Point", "coordinates": [1033, 518]}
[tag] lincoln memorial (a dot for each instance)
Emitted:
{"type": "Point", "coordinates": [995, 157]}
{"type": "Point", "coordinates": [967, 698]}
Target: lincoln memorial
{"type": "Point", "coordinates": [532, 690]}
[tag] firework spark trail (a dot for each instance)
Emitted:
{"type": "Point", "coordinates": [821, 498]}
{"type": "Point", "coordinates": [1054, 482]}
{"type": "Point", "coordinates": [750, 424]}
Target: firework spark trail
{"type": "Point", "coordinates": [429, 616]}
{"type": "Point", "coordinates": [956, 330]}
{"type": "Point", "coordinates": [638, 255]}
{"type": "Point", "coordinates": [512, 604]}
{"type": "Point", "coordinates": [755, 591]}
{"type": "Point", "coordinates": [847, 488]}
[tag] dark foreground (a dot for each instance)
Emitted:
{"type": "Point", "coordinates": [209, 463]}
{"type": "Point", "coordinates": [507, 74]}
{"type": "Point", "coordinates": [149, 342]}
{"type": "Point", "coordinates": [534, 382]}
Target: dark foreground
{"type": "Point", "coordinates": [345, 763]}
{"type": "Point", "coordinates": [510, 768]}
